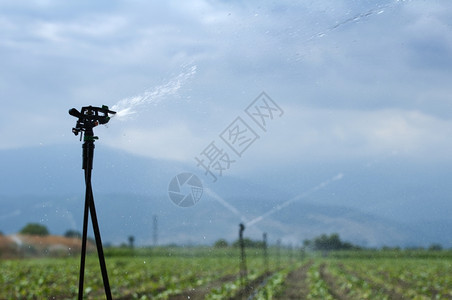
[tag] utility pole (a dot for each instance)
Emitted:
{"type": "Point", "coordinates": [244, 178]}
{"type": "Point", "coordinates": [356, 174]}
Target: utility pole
{"type": "Point", "coordinates": [278, 253]}
{"type": "Point", "coordinates": [243, 270]}
{"type": "Point", "coordinates": [265, 252]}
{"type": "Point", "coordinates": [155, 230]}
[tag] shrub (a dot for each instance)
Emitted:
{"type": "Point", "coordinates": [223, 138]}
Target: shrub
{"type": "Point", "coordinates": [34, 229]}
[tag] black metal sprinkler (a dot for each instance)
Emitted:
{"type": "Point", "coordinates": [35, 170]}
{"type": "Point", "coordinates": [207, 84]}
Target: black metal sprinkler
{"type": "Point", "coordinates": [243, 269]}
{"type": "Point", "coordinates": [88, 118]}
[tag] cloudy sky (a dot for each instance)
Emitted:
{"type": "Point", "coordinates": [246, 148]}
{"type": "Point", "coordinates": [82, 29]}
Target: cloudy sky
{"type": "Point", "coordinates": [355, 79]}
{"type": "Point", "coordinates": [355, 84]}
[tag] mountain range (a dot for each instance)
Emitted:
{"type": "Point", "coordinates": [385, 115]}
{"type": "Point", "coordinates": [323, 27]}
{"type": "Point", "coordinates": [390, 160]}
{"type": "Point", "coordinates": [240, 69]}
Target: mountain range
{"type": "Point", "coordinates": [394, 203]}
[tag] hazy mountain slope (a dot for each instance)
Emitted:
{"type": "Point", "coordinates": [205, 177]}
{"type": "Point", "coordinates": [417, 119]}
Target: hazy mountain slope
{"type": "Point", "coordinates": [384, 205]}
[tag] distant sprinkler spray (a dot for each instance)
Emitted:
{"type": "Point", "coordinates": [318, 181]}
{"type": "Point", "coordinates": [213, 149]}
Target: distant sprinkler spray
{"type": "Point", "coordinates": [357, 18]}
{"type": "Point", "coordinates": [226, 204]}
{"type": "Point", "coordinates": [296, 198]}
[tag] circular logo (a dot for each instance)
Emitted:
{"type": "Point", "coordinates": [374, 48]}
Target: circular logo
{"type": "Point", "coordinates": [185, 189]}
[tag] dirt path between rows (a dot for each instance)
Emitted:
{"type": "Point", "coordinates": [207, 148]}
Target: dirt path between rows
{"type": "Point", "coordinates": [296, 285]}
{"type": "Point", "coordinates": [333, 287]}
{"type": "Point", "coordinates": [250, 288]}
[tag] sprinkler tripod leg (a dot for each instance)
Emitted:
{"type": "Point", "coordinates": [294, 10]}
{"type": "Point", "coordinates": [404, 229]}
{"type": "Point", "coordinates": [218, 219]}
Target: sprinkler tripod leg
{"type": "Point", "coordinates": [83, 254]}
{"type": "Point", "coordinates": [88, 154]}
{"type": "Point", "coordinates": [100, 251]}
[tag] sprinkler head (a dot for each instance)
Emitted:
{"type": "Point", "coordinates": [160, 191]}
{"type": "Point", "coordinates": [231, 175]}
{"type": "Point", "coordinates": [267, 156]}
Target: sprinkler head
{"type": "Point", "coordinates": [75, 113]}
{"type": "Point", "coordinates": [88, 118]}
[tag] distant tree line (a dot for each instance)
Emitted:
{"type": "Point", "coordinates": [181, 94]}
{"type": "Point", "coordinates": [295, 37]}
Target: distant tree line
{"type": "Point", "coordinates": [321, 243]}
{"type": "Point", "coordinates": [34, 229]}
{"type": "Point", "coordinates": [249, 243]}
{"type": "Point", "coordinates": [73, 234]}
{"type": "Point", "coordinates": [432, 247]}
{"type": "Point", "coordinates": [329, 243]}
{"type": "Point", "coordinates": [41, 230]}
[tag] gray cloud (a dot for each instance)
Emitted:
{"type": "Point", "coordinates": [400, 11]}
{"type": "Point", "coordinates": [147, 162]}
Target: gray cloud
{"type": "Point", "coordinates": [385, 61]}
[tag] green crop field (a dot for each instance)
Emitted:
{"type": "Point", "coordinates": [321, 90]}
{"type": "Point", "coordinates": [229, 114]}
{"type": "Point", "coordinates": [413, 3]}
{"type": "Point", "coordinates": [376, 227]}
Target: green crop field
{"type": "Point", "coordinates": [208, 273]}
